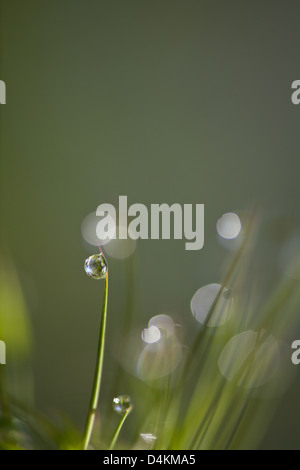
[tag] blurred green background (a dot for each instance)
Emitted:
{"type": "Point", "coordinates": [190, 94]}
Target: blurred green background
{"type": "Point", "coordinates": [162, 101]}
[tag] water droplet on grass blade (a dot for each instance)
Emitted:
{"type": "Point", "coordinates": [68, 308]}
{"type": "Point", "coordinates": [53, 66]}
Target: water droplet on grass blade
{"type": "Point", "coordinates": [164, 323]}
{"type": "Point", "coordinates": [203, 302]}
{"type": "Point", "coordinates": [96, 266]}
{"type": "Point", "coordinates": [148, 437]}
{"type": "Point", "coordinates": [122, 404]}
{"type": "Point", "coordinates": [151, 334]}
{"type": "Point", "coordinates": [229, 226]}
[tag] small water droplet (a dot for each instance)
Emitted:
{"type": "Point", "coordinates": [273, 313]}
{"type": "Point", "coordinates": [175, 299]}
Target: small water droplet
{"type": "Point", "coordinates": [164, 323]}
{"type": "Point", "coordinates": [96, 266]}
{"type": "Point", "coordinates": [229, 226]}
{"type": "Point", "coordinates": [148, 437]}
{"type": "Point", "coordinates": [151, 334]}
{"type": "Point", "coordinates": [122, 404]}
{"type": "Point", "coordinates": [203, 300]}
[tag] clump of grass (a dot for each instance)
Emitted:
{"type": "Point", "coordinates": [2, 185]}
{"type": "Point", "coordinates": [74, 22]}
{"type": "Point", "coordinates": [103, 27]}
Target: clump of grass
{"type": "Point", "coordinates": [220, 392]}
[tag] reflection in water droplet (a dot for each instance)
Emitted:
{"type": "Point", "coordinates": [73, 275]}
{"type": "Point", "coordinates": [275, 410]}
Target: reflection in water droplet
{"type": "Point", "coordinates": [229, 225]}
{"type": "Point", "coordinates": [121, 248]}
{"type": "Point", "coordinates": [122, 404]}
{"type": "Point", "coordinates": [165, 323]}
{"type": "Point", "coordinates": [148, 437]}
{"type": "Point", "coordinates": [151, 334]}
{"type": "Point", "coordinates": [202, 303]}
{"type": "Point", "coordinates": [159, 359]}
{"type": "Point", "coordinates": [250, 359]}
{"type": "Point", "coordinates": [96, 266]}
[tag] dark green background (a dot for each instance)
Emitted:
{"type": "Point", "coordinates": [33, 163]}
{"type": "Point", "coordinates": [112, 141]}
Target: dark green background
{"type": "Point", "coordinates": [163, 101]}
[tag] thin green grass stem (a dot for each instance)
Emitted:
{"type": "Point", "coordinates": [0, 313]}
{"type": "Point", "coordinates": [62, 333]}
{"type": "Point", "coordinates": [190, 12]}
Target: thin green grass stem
{"type": "Point", "coordinates": [118, 429]}
{"type": "Point", "coordinates": [98, 373]}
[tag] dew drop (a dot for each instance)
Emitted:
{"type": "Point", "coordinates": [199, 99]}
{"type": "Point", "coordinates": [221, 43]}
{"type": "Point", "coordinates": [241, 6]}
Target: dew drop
{"type": "Point", "coordinates": [151, 334]}
{"type": "Point", "coordinates": [148, 437]}
{"type": "Point", "coordinates": [164, 323]}
{"type": "Point", "coordinates": [96, 266]}
{"type": "Point", "coordinates": [229, 226]}
{"type": "Point", "coordinates": [122, 404]}
{"type": "Point", "coordinates": [203, 300]}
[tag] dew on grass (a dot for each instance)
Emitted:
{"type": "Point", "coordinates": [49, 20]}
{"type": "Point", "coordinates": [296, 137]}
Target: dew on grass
{"type": "Point", "coordinates": [96, 266]}
{"type": "Point", "coordinates": [164, 323]}
{"type": "Point", "coordinates": [229, 225]}
{"type": "Point", "coordinates": [203, 302]}
{"type": "Point", "coordinates": [151, 334]}
{"type": "Point", "coordinates": [148, 437]}
{"type": "Point", "coordinates": [250, 359]}
{"type": "Point", "coordinates": [122, 404]}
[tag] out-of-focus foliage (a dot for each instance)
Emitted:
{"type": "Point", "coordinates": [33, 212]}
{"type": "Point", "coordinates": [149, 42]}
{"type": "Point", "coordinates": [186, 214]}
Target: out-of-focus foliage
{"type": "Point", "coordinates": [217, 390]}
